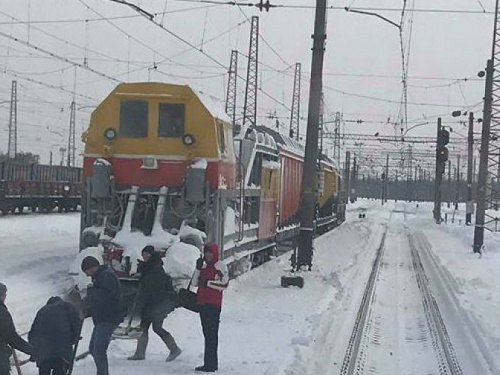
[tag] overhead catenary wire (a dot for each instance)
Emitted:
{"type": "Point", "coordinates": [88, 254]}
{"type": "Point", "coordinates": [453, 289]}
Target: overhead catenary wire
{"type": "Point", "coordinates": [111, 18]}
{"type": "Point", "coordinates": [209, 57]}
{"type": "Point", "coordinates": [148, 47]}
{"type": "Point", "coordinates": [66, 42]}
{"type": "Point", "coordinates": [48, 85]}
{"type": "Point", "coordinates": [340, 8]}
{"type": "Point", "coordinates": [57, 56]}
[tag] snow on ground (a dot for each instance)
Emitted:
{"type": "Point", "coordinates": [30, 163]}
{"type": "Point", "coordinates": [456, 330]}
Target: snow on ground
{"type": "Point", "coordinates": [35, 254]}
{"type": "Point", "coordinates": [263, 326]}
{"type": "Point", "coordinates": [475, 280]}
{"type": "Point", "coordinates": [265, 329]}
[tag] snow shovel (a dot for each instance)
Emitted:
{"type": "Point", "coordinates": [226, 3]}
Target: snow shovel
{"type": "Point", "coordinates": [69, 371]}
{"type": "Point", "coordinates": [16, 362]}
{"type": "Point", "coordinates": [129, 332]}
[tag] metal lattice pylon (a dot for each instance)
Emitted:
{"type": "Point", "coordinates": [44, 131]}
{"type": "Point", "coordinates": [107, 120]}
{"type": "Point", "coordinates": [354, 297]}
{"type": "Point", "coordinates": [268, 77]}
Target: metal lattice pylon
{"type": "Point", "coordinates": [321, 124]}
{"type": "Point", "coordinates": [12, 146]}
{"type": "Point", "coordinates": [492, 199]}
{"type": "Point", "coordinates": [250, 108]}
{"type": "Point", "coordinates": [295, 116]}
{"type": "Point", "coordinates": [71, 137]}
{"type": "Point", "coordinates": [231, 87]}
{"type": "Point", "coordinates": [336, 138]}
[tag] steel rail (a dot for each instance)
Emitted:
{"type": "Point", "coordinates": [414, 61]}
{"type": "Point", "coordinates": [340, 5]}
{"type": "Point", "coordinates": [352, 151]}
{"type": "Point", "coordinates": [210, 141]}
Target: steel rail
{"type": "Point", "coordinates": [446, 356]}
{"type": "Point", "coordinates": [434, 316]}
{"type": "Point", "coordinates": [348, 365]}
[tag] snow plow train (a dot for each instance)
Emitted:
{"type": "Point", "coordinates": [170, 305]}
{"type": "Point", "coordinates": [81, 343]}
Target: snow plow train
{"type": "Point", "coordinates": [164, 167]}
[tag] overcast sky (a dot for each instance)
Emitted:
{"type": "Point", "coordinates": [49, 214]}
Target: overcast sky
{"type": "Point", "coordinates": [363, 58]}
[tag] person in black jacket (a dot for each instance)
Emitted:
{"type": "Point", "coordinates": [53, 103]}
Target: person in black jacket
{"type": "Point", "coordinates": [105, 303]}
{"type": "Point", "coordinates": [53, 334]}
{"type": "Point", "coordinates": [158, 298]}
{"type": "Point", "coordinates": [8, 336]}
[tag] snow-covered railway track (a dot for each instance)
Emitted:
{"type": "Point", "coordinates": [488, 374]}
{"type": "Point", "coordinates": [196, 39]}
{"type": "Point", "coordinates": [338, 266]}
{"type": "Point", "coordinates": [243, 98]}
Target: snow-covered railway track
{"type": "Point", "coordinates": [349, 362]}
{"type": "Point", "coordinates": [441, 339]}
{"type": "Point", "coordinates": [398, 327]}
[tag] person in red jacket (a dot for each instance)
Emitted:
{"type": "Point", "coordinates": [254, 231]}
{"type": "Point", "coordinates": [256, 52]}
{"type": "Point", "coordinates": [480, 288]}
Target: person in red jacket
{"type": "Point", "coordinates": [212, 278]}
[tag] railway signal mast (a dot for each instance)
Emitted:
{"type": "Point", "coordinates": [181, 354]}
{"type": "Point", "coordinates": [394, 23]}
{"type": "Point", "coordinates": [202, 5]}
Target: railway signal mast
{"type": "Point", "coordinates": [443, 138]}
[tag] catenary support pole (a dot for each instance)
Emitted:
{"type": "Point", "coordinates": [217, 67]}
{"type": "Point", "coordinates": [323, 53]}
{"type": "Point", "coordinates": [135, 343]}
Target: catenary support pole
{"type": "Point", "coordinates": [483, 161]}
{"type": "Point", "coordinates": [457, 182]}
{"type": "Point", "coordinates": [309, 177]}
{"type": "Point", "coordinates": [437, 184]}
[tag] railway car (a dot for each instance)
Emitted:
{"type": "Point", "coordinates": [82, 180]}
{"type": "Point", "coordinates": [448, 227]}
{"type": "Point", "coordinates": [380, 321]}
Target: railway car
{"type": "Point", "coordinates": [38, 187]}
{"type": "Point", "coordinates": [162, 167]}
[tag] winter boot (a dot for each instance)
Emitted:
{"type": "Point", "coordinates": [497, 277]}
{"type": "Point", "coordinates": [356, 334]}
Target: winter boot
{"type": "Point", "coordinates": [140, 352]}
{"type": "Point", "coordinates": [175, 351]}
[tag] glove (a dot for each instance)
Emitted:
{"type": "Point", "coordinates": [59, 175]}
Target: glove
{"type": "Point", "coordinates": [202, 281]}
{"type": "Point", "coordinates": [140, 267]}
{"type": "Point", "coordinates": [35, 354]}
{"type": "Point", "coordinates": [199, 263]}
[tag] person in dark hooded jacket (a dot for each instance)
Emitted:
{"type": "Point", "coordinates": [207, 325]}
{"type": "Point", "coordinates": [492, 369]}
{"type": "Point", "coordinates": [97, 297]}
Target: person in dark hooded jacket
{"type": "Point", "coordinates": [8, 336]}
{"type": "Point", "coordinates": [106, 308]}
{"type": "Point", "coordinates": [158, 298]}
{"type": "Point", "coordinates": [212, 278]}
{"type": "Point", "coordinates": [53, 333]}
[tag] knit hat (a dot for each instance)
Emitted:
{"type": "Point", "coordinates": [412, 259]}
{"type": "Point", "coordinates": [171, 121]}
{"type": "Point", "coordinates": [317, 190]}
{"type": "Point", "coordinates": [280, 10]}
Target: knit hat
{"type": "Point", "coordinates": [89, 262]}
{"type": "Point", "coordinates": [148, 249]}
{"type": "Point", "coordinates": [3, 289]}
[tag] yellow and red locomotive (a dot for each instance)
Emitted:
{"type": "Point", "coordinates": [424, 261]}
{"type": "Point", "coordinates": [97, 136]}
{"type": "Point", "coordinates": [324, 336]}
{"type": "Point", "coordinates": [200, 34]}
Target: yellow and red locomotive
{"type": "Point", "coordinates": [161, 165]}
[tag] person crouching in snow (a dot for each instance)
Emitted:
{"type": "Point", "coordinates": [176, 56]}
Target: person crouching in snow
{"type": "Point", "coordinates": [106, 308]}
{"type": "Point", "coordinates": [211, 277]}
{"type": "Point", "coordinates": [53, 334]}
{"type": "Point", "coordinates": [158, 297]}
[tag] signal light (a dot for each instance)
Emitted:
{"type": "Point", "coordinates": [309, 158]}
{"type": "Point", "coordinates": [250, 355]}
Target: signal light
{"type": "Point", "coordinates": [443, 137]}
{"type": "Point", "coordinates": [442, 154]}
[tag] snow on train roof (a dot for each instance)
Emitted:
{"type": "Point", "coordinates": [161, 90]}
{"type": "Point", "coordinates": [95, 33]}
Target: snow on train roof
{"type": "Point", "coordinates": [213, 106]}
{"type": "Point", "coordinates": [287, 143]}
{"type": "Point", "coordinates": [283, 141]}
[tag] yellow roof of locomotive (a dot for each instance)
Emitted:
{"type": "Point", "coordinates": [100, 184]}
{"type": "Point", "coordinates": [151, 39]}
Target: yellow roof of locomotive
{"type": "Point", "coordinates": [201, 120]}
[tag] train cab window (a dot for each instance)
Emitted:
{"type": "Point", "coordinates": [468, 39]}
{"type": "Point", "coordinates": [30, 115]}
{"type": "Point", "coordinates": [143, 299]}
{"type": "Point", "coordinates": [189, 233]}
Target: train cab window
{"type": "Point", "coordinates": [222, 138]}
{"type": "Point", "coordinates": [172, 118]}
{"type": "Point", "coordinates": [134, 118]}
{"type": "Point", "coordinates": [256, 173]}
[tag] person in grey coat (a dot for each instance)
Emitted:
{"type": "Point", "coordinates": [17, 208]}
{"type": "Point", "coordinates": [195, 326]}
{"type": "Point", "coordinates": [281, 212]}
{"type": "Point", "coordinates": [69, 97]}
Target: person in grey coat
{"type": "Point", "coordinates": [9, 339]}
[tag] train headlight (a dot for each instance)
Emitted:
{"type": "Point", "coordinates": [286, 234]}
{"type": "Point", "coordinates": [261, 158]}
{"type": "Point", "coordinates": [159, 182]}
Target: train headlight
{"type": "Point", "coordinates": [110, 134]}
{"type": "Point", "coordinates": [66, 188]}
{"type": "Point", "coordinates": [149, 162]}
{"type": "Point", "coordinates": [188, 139]}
